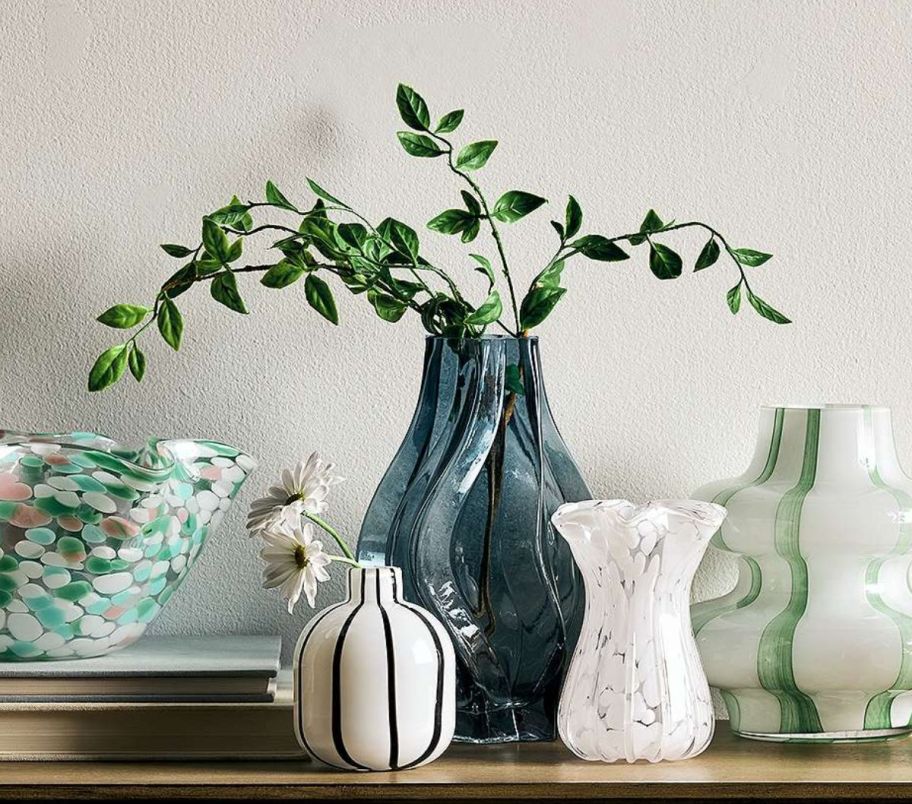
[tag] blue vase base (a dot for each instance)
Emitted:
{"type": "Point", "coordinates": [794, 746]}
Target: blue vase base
{"type": "Point", "coordinates": [510, 724]}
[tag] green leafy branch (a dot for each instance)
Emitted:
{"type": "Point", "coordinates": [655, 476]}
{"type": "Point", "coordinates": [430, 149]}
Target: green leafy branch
{"type": "Point", "coordinates": [385, 262]}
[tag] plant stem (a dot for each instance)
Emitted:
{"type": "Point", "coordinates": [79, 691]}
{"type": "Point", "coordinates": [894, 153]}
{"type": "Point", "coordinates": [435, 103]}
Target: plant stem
{"type": "Point", "coordinates": [335, 534]}
{"type": "Point", "coordinates": [672, 228]}
{"type": "Point", "coordinates": [344, 560]}
{"type": "Point", "coordinates": [494, 231]}
{"type": "Point", "coordinates": [261, 228]}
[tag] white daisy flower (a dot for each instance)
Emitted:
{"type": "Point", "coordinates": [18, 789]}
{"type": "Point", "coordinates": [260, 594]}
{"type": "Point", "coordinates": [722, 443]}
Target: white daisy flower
{"type": "Point", "coordinates": [302, 490]}
{"type": "Point", "coordinates": [295, 562]}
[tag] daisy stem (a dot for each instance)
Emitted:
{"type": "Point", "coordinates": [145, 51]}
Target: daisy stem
{"type": "Point", "coordinates": [335, 534]}
{"type": "Point", "coordinates": [344, 560]}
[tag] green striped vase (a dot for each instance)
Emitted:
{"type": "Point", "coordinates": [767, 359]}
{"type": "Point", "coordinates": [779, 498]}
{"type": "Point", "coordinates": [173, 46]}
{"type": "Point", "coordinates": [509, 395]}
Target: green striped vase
{"type": "Point", "coordinates": [815, 641]}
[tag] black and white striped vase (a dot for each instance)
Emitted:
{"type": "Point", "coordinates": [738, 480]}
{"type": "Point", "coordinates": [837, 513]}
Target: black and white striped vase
{"type": "Point", "coordinates": [375, 679]}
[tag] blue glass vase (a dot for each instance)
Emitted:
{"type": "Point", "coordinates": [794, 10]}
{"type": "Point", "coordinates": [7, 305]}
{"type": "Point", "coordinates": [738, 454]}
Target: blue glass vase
{"type": "Point", "coordinates": [464, 509]}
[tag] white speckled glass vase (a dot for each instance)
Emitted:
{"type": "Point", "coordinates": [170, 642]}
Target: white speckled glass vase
{"type": "Point", "coordinates": [815, 641]}
{"type": "Point", "coordinates": [635, 688]}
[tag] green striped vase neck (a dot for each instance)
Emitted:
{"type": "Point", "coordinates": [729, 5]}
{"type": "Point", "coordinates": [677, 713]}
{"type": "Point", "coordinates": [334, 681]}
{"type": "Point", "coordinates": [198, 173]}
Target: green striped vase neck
{"type": "Point", "coordinates": [850, 440]}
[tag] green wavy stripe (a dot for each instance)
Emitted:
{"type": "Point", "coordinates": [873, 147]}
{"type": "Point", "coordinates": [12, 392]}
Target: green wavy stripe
{"type": "Point", "coordinates": [734, 709]}
{"type": "Point", "coordinates": [704, 612]}
{"type": "Point", "coordinates": [772, 456]}
{"type": "Point", "coordinates": [877, 712]}
{"type": "Point", "coordinates": [774, 658]}
{"type": "Point", "coordinates": [710, 609]}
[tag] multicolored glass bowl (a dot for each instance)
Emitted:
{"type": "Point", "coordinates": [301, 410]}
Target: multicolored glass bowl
{"type": "Point", "coordinates": [95, 538]}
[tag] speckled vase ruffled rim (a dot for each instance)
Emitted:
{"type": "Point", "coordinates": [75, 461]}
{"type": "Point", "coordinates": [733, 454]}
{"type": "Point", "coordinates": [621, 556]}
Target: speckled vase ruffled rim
{"type": "Point", "coordinates": [704, 513]}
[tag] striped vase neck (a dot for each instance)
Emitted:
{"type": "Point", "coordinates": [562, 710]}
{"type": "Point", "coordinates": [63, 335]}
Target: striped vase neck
{"type": "Point", "coordinates": [847, 441]}
{"type": "Point", "coordinates": [374, 584]}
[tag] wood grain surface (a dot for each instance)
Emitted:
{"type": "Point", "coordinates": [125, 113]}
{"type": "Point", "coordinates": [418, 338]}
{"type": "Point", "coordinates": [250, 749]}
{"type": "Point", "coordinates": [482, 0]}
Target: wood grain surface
{"type": "Point", "coordinates": [731, 768]}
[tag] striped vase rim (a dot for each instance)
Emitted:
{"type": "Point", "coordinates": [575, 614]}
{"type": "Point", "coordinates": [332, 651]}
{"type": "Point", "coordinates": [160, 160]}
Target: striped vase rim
{"type": "Point", "coordinates": [832, 407]}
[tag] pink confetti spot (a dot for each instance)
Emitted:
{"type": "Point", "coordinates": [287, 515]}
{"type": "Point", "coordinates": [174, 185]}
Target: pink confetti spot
{"type": "Point", "coordinates": [70, 523]}
{"type": "Point", "coordinates": [114, 612]}
{"type": "Point", "coordinates": [182, 515]}
{"type": "Point", "coordinates": [118, 528]}
{"type": "Point", "coordinates": [28, 517]}
{"type": "Point", "coordinates": [211, 473]}
{"type": "Point", "coordinates": [57, 460]}
{"type": "Point", "coordinates": [12, 489]}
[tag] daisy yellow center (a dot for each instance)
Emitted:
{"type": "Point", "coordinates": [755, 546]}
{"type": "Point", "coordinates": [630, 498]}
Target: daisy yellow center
{"type": "Point", "coordinates": [300, 557]}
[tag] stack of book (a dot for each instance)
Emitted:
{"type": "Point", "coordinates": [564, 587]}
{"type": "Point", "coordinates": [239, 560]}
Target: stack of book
{"type": "Point", "coordinates": [162, 698]}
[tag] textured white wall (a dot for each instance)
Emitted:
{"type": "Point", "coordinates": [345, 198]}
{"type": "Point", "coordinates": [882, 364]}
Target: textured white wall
{"type": "Point", "coordinates": [785, 124]}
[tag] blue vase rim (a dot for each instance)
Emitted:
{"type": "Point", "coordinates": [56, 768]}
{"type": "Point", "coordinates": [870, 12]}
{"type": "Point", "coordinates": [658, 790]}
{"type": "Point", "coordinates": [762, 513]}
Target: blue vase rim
{"type": "Point", "coordinates": [529, 338]}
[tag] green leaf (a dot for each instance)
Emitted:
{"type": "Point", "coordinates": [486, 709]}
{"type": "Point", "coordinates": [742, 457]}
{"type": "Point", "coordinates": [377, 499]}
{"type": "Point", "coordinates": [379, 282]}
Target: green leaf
{"type": "Point", "coordinates": [321, 193]}
{"type": "Point", "coordinates": [651, 223]}
{"type": "Point", "coordinates": [355, 282]}
{"type": "Point", "coordinates": [170, 324]}
{"type": "Point", "coordinates": [320, 230]}
{"type": "Point", "coordinates": [405, 290]}
{"type": "Point", "coordinates": [559, 228]}
{"type": "Point", "coordinates": [733, 297]}
{"type": "Point", "coordinates": [513, 380]}
{"type": "Point", "coordinates": [708, 255]}
{"type": "Point", "coordinates": [322, 233]}
{"type": "Point", "coordinates": [747, 256]}
{"type": "Point", "coordinates": [205, 267]}
{"type": "Point", "coordinates": [352, 234]}
{"type": "Point", "coordinates": [663, 262]}
{"type": "Point", "coordinates": [320, 297]}
{"type": "Point", "coordinates": [418, 144]}
{"type": "Point", "coordinates": [404, 239]}
{"type": "Point", "coordinates": [174, 250]}
{"type": "Point", "coordinates": [281, 275]}
{"type": "Point", "coordinates": [489, 311]}
{"type": "Point", "coordinates": [484, 267]}
{"type": "Point", "coordinates": [215, 241]}
{"type": "Point", "coordinates": [551, 276]}
{"type": "Point", "coordinates": [224, 290]}
{"type": "Point", "coordinates": [412, 108]}
{"type": "Point", "coordinates": [181, 280]}
{"type": "Point", "coordinates": [471, 202]}
{"type": "Point", "coordinates": [234, 214]}
{"type": "Point", "coordinates": [573, 218]}
{"type": "Point", "coordinates": [765, 310]}
{"type": "Point", "coordinates": [234, 251]}
{"type": "Point", "coordinates": [137, 363]}
{"type": "Point", "coordinates": [538, 304]}
{"type": "Point", "coordinates": [123, 316]}
{"type": "Point", "coordinates": [471, 231]}
{"type": "Point", "coordinates": [451, 221]}
{"type": "Point", "coordinates": [597, 247]}
{"type": "Point", "coordinates": [275, 197]}
{"type": "Point", "coordinates": [515, 204]}
{"type": "Point", "coordinates": [475, 155]}
{"type": "Point", "coordinates": [388, 308]}
{"type": "Point", "coordinates": [449, 122]}
{"type": "Point", "coordinates": [109, 367]}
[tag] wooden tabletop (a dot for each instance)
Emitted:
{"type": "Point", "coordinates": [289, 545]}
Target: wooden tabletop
{"type": "Point", "coordinates": [730, 768]}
